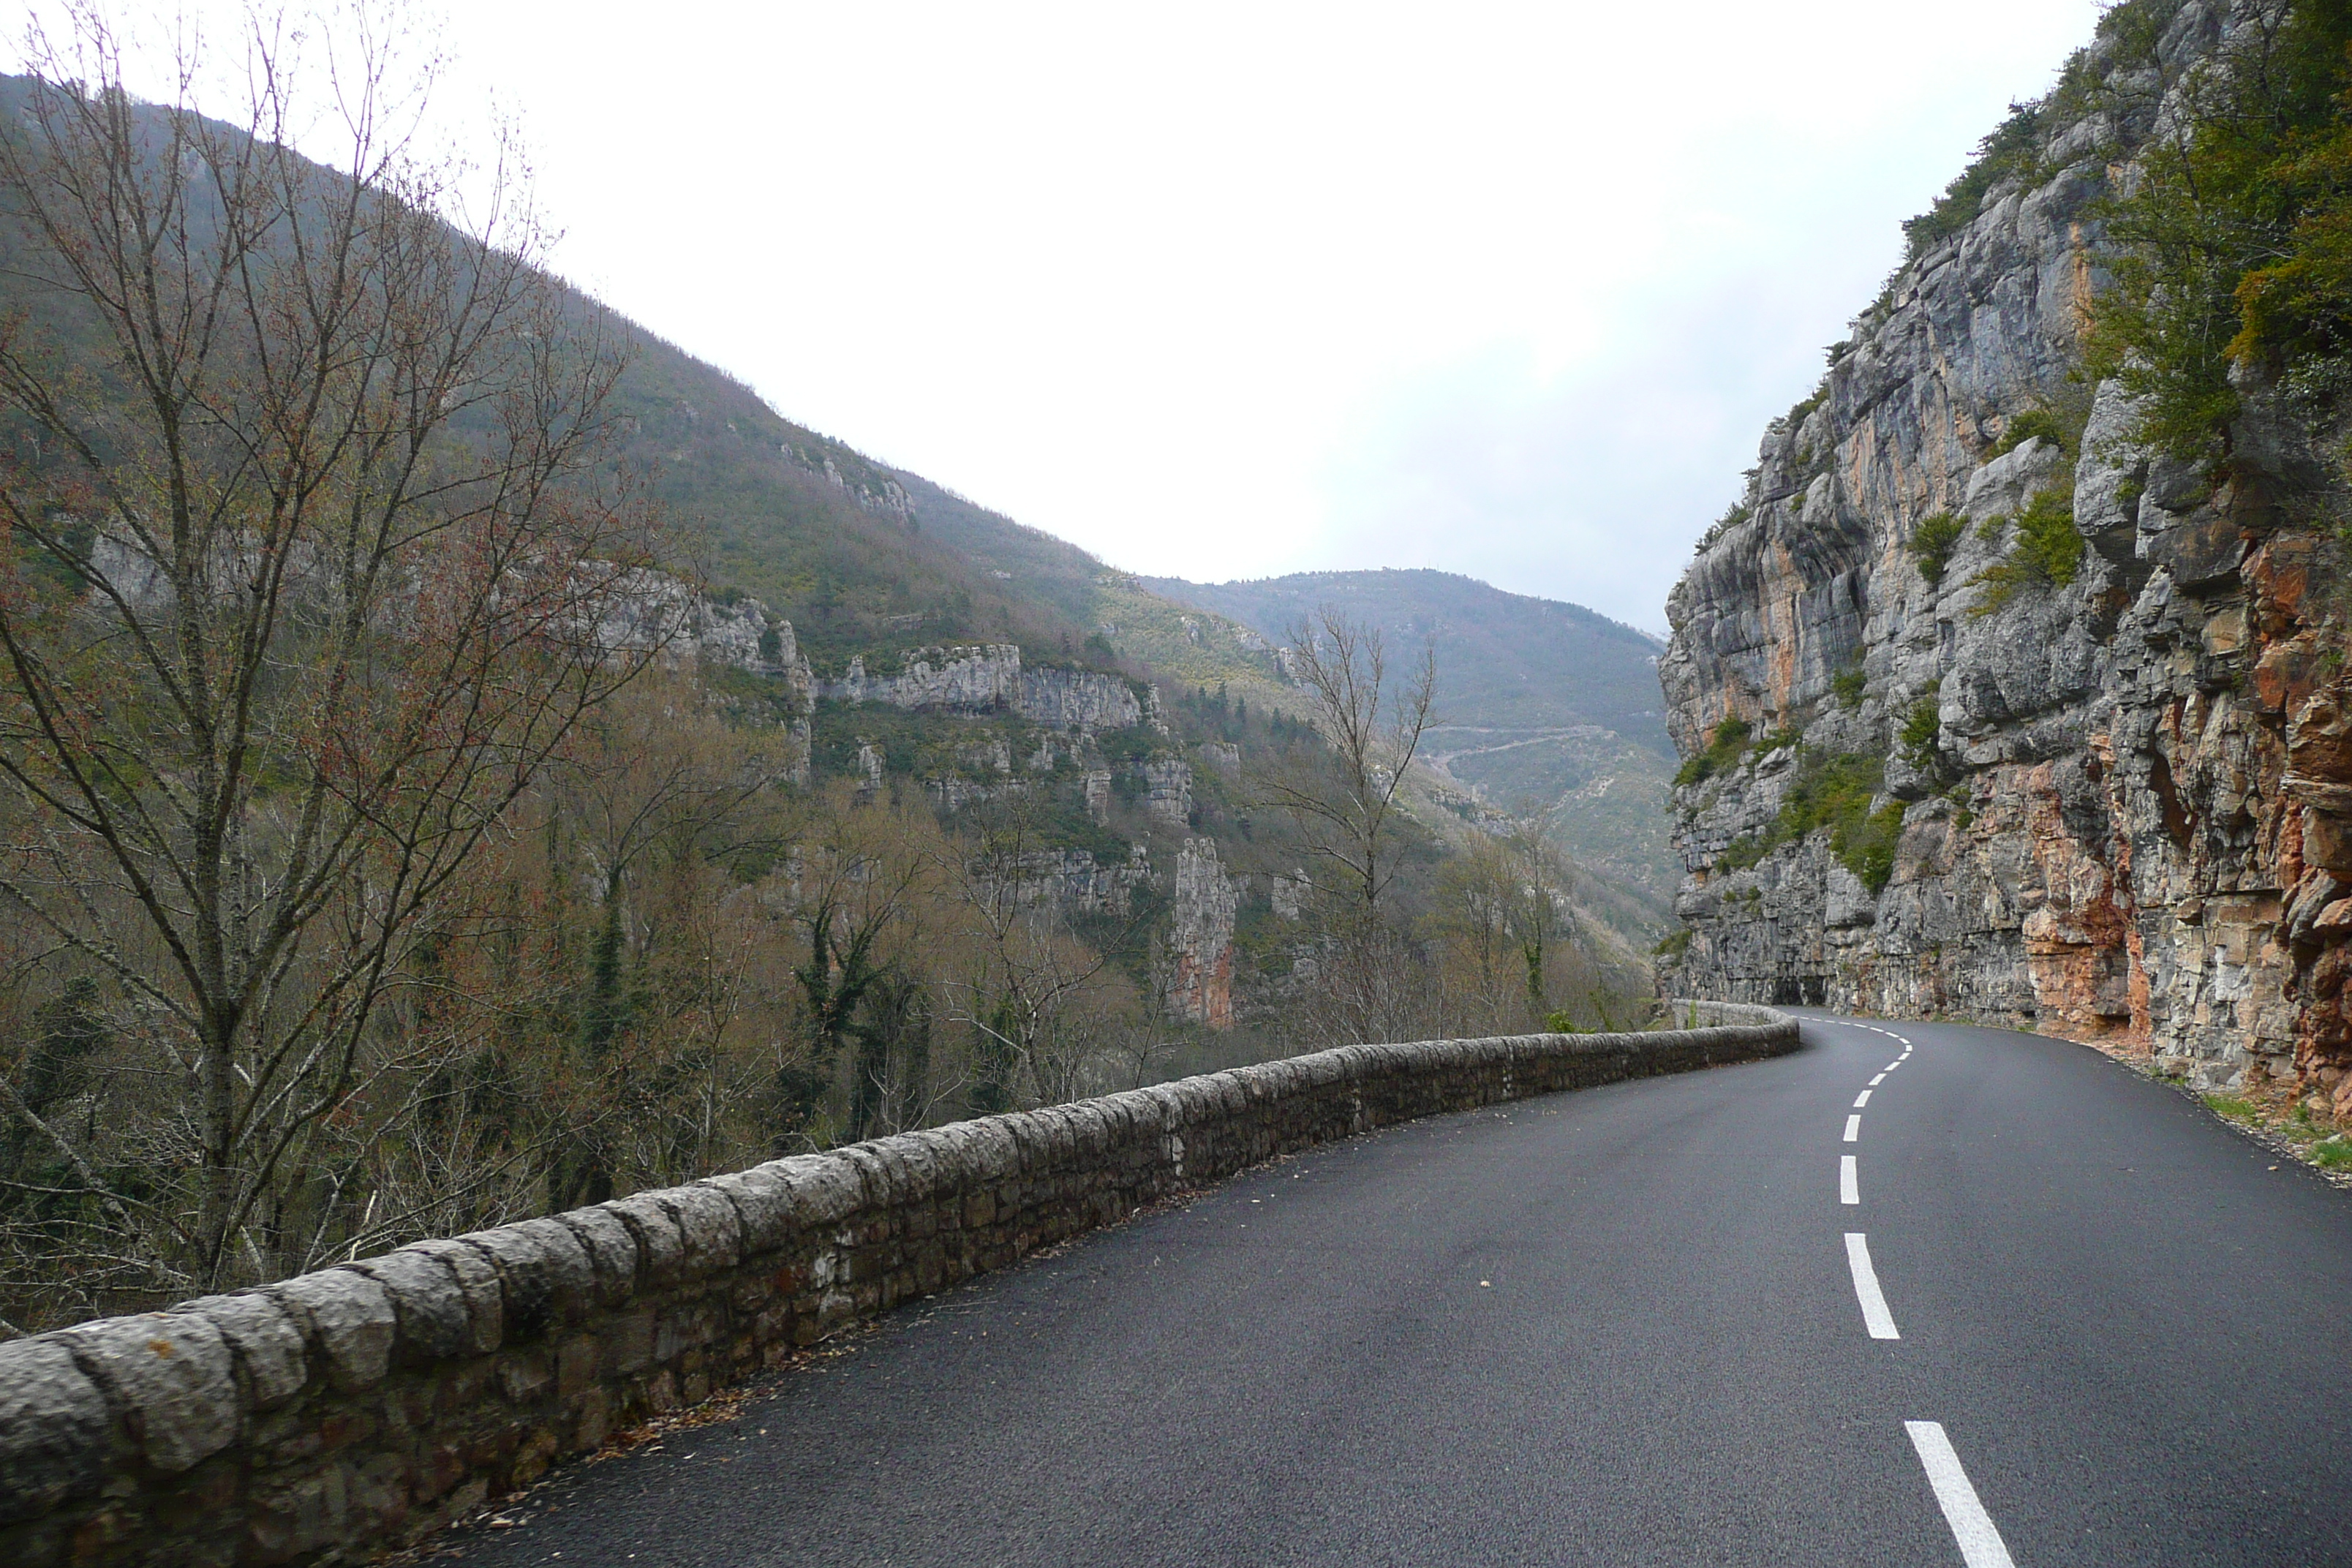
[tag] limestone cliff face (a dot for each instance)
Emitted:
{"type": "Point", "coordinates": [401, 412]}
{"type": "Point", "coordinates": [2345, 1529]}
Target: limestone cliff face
{"type": "Point", "coordinates": [2126, 803]}
{"type": "Point", "coordinates": [990, 679]}
{"type": "Point", "coordinates": [655, 610]}
{"type": "Point", "coordinates": [1201, 942]}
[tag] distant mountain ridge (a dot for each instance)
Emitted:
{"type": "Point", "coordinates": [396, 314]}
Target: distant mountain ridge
{"type": "Point", "coordinates": [1504, 659]}
{"type": "Point", "coordinates": [1544, 708]}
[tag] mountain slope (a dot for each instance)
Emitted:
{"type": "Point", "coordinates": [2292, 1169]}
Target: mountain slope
{"type": "Point", "coordinates": [1543, 707]}
{"type": "Point", "coordinates": [906, 639]}
{"type": "Point", "coordinates": [1505, 660]}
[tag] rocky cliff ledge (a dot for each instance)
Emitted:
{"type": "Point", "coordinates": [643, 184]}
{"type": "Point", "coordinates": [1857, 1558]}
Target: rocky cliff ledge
{"type": "Point", "coordinates": [2111, 799]}
{"type": "Point", "coordinates": [993, 679]}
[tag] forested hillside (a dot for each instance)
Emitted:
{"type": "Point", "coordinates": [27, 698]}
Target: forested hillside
{"type": "Point", "coordinates": [461, 756]}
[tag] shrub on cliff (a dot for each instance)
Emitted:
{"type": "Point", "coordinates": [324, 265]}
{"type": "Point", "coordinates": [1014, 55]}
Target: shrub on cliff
{"type": "Point", "coordinates": [1932, 543]}
{"type": "Point", "coordinates": [2061, 422]}
{"type": "Point", "coordinates": [1836, 792]}
{"type": "Point", "coordinates": [2011, 153]}
{"type": "Point", "coordinates": [1921, 729]}
{"type": "Point", "coordinates": [2235, 243]}
{"type": "Point", "coordinates": [1733, 516]}
{"type": "Point", "coordinates": [2045, 550]}
{"type": "Point", "coordinates": [1866, 847]}
{"type": "Point", "coordinates": [1723, 749]}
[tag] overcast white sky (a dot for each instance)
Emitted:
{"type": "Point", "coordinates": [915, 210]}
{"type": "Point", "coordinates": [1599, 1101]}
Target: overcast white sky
{"type": "Point", "coordinates": [1224, 290]}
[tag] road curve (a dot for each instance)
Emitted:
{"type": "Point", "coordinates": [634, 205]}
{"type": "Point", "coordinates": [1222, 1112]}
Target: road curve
{"type": "Point", "coordinates": [1625, 1326]}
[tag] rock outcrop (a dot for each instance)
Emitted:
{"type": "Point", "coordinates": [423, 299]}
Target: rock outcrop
{"type": "Point", "coordinates": [2117, 808]}
{"type": "Point", "coordinates": [1073, 881]}
{"type": "Point", "coordinates": [992, 680]}
{"type": "Point", "coordinates": [1168, 792]}
{"type": "Point", "coordinates": [1200, 984]}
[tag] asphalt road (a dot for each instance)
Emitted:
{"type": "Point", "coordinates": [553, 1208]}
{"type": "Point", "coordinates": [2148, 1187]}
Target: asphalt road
{"type": "Point", "coordinates": [1620, 1327]}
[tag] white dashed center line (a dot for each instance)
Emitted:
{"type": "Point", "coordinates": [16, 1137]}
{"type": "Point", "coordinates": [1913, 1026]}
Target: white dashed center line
{"type": "Point", "coordinates": [1875, 1315]}
{"type": "Point", "coordinates": [1980, 1543]}
{"type": "Point", "coordinates": [1850, 1024]}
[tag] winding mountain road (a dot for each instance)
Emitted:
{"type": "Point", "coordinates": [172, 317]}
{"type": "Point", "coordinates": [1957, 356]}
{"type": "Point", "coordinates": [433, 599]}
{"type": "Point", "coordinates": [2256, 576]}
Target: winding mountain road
{"type": "Point", "coordinates": [2016, 1306]}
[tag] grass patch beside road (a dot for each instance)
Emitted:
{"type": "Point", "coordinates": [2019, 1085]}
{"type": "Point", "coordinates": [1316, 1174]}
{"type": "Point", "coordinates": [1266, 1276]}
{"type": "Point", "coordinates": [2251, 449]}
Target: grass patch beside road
{"type": "Point", "coordinates": [2287, 1125]}
{"type": "Point", "coordinates": [2235, 1108]}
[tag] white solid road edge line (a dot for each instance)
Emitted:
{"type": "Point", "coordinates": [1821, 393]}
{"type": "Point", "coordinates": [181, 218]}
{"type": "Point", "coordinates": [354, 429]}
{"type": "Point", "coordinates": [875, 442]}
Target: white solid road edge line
{"type": "Point", "coordinates": [1875, 1315]}
{"type": "Point", "coordinates": [1849, 1180]}
{"type": "Point", "coordinates": [1980, 1543]}
{"type": "Point", "coordinates": [1852, 1128]}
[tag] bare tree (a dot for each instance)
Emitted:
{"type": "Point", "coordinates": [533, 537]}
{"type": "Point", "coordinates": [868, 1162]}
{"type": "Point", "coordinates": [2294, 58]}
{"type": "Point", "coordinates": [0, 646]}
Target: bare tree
{"type": "Point", "coordinates": [1501, 915]}
{"type": "Point", "coordinates": [1343, 796]}
{"type": "Point", "coordinates": [311, 568]}
{"type": "Point", "coordinates": [1366, 983]}
{"type": "Point", "coordinates": [858, 877]}
{"type": "Point", "coordinates": [1035, 997]}
{"type": "Point", "coordinates": [654, 797]}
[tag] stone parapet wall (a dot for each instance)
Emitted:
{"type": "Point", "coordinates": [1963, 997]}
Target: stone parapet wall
{"type": "Point", "coordinates": [352, 1411]}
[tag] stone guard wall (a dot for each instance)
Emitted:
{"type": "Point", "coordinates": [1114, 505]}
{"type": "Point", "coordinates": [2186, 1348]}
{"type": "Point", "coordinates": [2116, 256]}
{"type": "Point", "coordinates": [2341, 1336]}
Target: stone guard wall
{"type": "Point", "coordinates": [354, 1410]}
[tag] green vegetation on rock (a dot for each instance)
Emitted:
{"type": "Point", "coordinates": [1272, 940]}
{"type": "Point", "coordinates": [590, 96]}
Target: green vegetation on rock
{"type": "Point", "coordinates": [2235, 242]}
{"type": "Point", "coordinates": [2044, 552]}
{"type": "Point", "coordinates": [1733, 516]}
{"type": "Point", "coordinates": [1723, 749]}
{"type": "Point", "coordinates": [1835, 791]}
{"type": "Point", "coordinates": [2011, 154]}
{"type": "Point", "coordinates": [1920, 730]}
{"type": "Point", "coordinates": [1804, 410]}
{"type": "Point", "coordinates": [2058, 423]}
{"type": "Point", "coordinates": [1932, 545]}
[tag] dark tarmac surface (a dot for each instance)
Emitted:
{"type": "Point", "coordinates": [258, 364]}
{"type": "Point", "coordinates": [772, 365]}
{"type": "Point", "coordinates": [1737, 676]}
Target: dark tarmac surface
{"type": "Point", "coordinates": [1616, 1327]}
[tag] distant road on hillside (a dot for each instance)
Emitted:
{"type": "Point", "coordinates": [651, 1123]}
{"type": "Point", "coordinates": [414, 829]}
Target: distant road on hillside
{"type": "Point", "coordinates": [2003, 1303]}
{"type": "Point", "coordinates": [1543, 707]}
{"type": "Point", "coordinates": [1502, 659]}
